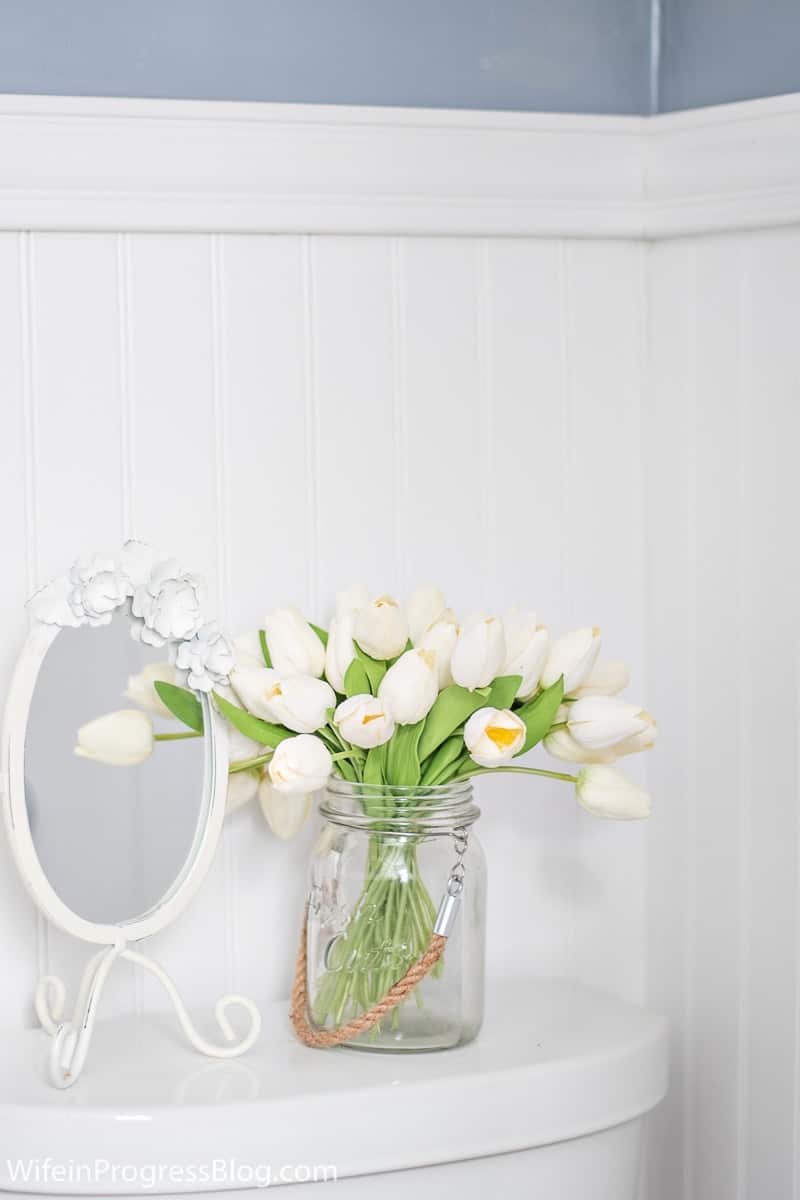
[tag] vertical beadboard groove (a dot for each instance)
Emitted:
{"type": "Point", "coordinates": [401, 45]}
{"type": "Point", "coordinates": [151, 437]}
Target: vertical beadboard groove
{"type": "Point", "coordinates": [125, 361]}
{"type": "Point", "coordinates": [31, 507]}
{"type": "Point", "coordinates": [745, 374]}
{"type": "Point", "coordinates": [311, 427]}
{"type": "Point", "coordinates": [399, 414]}
{"type": "Point", "coordinates": [216, 248]}
{"type": "Point", "coordinates": [486, 393]}
{"type": "Point", "coordinates": [566, 336]}
{"type": "Point", "coordinates": [567, 390]}
{"type": "Point", "coordinates": [643, 368]}
{"type": "Point", "coordinates": [126, 458]}
{"type": "Point", "coordinates": [690, 948]}
{"type": "Point", "coordinates": [28, 326]}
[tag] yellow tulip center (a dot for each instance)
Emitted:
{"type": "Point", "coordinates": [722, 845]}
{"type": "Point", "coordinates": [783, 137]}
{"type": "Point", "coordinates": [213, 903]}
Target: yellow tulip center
{"type": "Point", "coordinates": [274, 691]}
{"type": "Point", "coordinates": [365, 720]}
{"type": "Point", "coordinates": [502, 736]}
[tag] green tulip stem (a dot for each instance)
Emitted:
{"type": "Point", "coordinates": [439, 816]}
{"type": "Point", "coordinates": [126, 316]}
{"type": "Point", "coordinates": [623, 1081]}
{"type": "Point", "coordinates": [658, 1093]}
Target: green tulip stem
{"type": "Point", "coordinates": [247, 764]}
{"type": "Point", "coordinates": [346, 754]}
{"type": "Point", "coordinates": [174, 737]}
{"type": "Point", "coordinates": [516, 771]}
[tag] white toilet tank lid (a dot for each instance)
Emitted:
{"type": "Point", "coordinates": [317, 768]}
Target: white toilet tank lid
{"type": "Point", "coordinates": [554, 1060]}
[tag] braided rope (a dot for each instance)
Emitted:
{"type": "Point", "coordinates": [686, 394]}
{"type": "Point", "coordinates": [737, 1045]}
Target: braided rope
{"type": "Point", "coordinates": [323, 1038]}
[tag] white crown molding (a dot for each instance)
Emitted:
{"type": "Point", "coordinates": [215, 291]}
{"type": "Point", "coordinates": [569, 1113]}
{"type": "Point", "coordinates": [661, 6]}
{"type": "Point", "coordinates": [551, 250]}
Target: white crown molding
{"type": "Point", "coordinates": [108, 164]}
{"type": "Point", "coordinates": [714, 170]}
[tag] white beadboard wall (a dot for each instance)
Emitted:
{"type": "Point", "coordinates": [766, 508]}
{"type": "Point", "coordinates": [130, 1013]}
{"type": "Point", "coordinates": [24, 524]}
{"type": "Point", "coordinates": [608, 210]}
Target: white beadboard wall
{"type": "Point", "coordinates": [290, 413]}
{"type": "Point", "coordinates": [571, 378]}
{"type": "Point", "coordinates": [722, 428]}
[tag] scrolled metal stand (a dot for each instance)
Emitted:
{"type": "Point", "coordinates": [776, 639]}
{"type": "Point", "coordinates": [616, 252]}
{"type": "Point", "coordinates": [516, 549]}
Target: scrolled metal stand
{"type": "Point", "coordinates": [71, 1039]}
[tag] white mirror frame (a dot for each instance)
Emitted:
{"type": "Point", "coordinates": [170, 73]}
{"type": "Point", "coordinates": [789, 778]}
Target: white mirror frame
{"type": "Point", "coordinates": [57, 606]}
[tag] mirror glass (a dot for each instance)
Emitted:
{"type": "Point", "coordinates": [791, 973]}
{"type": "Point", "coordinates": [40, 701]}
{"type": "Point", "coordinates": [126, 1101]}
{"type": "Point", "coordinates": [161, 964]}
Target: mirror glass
{"type": "Point", "coordinates": [111, 839]}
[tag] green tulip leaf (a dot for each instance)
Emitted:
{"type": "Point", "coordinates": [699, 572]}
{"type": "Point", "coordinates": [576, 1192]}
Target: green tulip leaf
{"type": "Point", "coordinates": [262, 637]}
{"type": "Point", "coordinates": [250, 726]}
{"type": "Point", "coordinates": [356, 680]}
{"type": "Point", "coordinates": [453, 706]}
{"type": "Point", "coordinates": [374, 668]}
{"type": "Point", "coordinates": [182, 703]}
{"type": "Point", "coordinates": [402, 756]}
{"type": "Point", "coordinates": [539, 714]}
{"type": "Point", "coordinates": [321, 634]}
{"type": "Point", "coordinates": [440, 766]}
{"type": "Point", "coordinates": [503, 691]}
{"type": "Point", "coordinates": [375, 766]}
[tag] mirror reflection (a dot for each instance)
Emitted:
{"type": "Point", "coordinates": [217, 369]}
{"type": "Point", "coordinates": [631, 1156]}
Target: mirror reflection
{"type": "Point", "coordinates": [111, 836]}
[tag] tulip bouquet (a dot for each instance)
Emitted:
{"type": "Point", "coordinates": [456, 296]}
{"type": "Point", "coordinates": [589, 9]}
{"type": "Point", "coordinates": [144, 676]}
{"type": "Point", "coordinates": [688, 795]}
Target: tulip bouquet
{"type": "Point", "coordinates": [407, 698]}
{"type": "Point", "coordinates": [410, 698]}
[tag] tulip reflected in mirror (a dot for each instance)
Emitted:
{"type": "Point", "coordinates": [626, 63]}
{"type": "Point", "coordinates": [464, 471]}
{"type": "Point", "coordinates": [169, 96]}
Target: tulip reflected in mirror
{"type": "Point", "coordinates": [112, 839]}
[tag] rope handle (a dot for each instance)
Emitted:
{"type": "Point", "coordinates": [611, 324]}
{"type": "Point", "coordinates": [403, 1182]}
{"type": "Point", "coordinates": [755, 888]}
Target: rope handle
{"type": "Point", "coordinates": [322, 1039]}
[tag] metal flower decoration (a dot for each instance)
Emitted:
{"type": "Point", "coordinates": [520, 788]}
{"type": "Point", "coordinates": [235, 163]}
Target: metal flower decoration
{"type": "Point", "coordinates": [165, 604]}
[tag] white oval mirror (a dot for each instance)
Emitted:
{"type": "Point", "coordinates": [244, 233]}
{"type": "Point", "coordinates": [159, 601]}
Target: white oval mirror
{"type": "Point", "coordinates": [113, 806]}
{"type": "Point", "coordinates": [114, 824]}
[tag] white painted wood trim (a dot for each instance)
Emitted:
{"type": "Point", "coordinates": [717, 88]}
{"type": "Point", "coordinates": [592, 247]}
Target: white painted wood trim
{"type": "Point", "coordinates": [715, 170]}
{"type": "Point", "coordinates": [229, 167]}
{"type": "Point", "coordinates": [181, 166]}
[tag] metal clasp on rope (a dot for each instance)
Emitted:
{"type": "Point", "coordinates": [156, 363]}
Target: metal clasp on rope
{"type": "Point", "coordinates": [451, 900]}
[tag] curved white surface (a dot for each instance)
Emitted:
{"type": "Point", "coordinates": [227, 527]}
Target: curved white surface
{"type": "Point", "coordinates": [554, 1061]}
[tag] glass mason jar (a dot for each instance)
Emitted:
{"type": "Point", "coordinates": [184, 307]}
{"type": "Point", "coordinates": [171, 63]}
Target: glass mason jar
{"type": "Point", "coordinates": [378, 874]}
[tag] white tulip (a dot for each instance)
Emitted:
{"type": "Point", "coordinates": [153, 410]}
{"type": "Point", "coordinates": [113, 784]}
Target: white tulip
{"type": "Point", "coordinates": [411, 686]}
{"type": "Point", "coordinates": [122, 739]}
{"type": "Point", "coordinates": [561, 744]}
{"type": "Point", "coordinates": [573, 655]}
{"type": "Point", "coordinates": [442, 638]}
{"type": "Point", "coordinates": [479, 653]}
{"type": "Point", "coordinates": [364, 721]}
{"type": "Point", "coordinates": [425, 607]}
{"type": "Point", "coordinates": [644, 740]}
{"type": "Point", "coordinates": [340, 650]}
{"type": "Point", "coordinates": [247, 651]}
{"type": "Point", "coordinates": [351, 599]}
{"type": "Point", "coordinates": [607, 677]}
{"type": "Point", "coordinates": [605, 792]}
{"type": "Point", "coordinates": [293, 646]}
{"type": "Point", "coordinates": [300, 765]}
{"type": "Point", "coordinates": [381, 629]}
{"type": "Point", "coordinates": [141, 691]}
{"type": "Point", "coordinates": [254, 687]}
{"type": "Point", "coordinates": [285, 813]}
{"type": "Point", "coordinates": [242, 787]}
{"type": "Point", "coordinates": [599, 721]}
{"type": "Point", "coordinates": [527, 646]}
{"type": "Point", "coordinates": [493, 736]}
{"type": "Point", "coordinates": [300, 702]}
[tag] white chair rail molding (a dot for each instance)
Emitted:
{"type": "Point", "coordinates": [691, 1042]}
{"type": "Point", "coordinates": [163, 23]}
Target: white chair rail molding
{"type": "Point", "coordinates": [538, 360]}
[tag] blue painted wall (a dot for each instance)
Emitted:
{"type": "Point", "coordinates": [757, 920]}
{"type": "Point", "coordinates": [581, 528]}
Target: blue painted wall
{"type": "Point", "coordinates": [541, 55]}
{"type": "Point", "coordinates": [551, 55]}
{"type": "Point", "coordinates": [715, 51]}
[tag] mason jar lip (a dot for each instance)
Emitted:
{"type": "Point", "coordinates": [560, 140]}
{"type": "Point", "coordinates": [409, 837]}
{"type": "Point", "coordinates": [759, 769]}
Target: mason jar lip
{"type": "Point", "coordinates": [440, 808]}
{"type": "Point", "coordinates": [461, 790]}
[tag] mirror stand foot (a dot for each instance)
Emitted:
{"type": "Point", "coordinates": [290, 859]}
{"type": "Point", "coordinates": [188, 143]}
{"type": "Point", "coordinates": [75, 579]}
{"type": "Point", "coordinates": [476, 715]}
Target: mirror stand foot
{"type": "Point", "coordinates": [71, 1039]}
